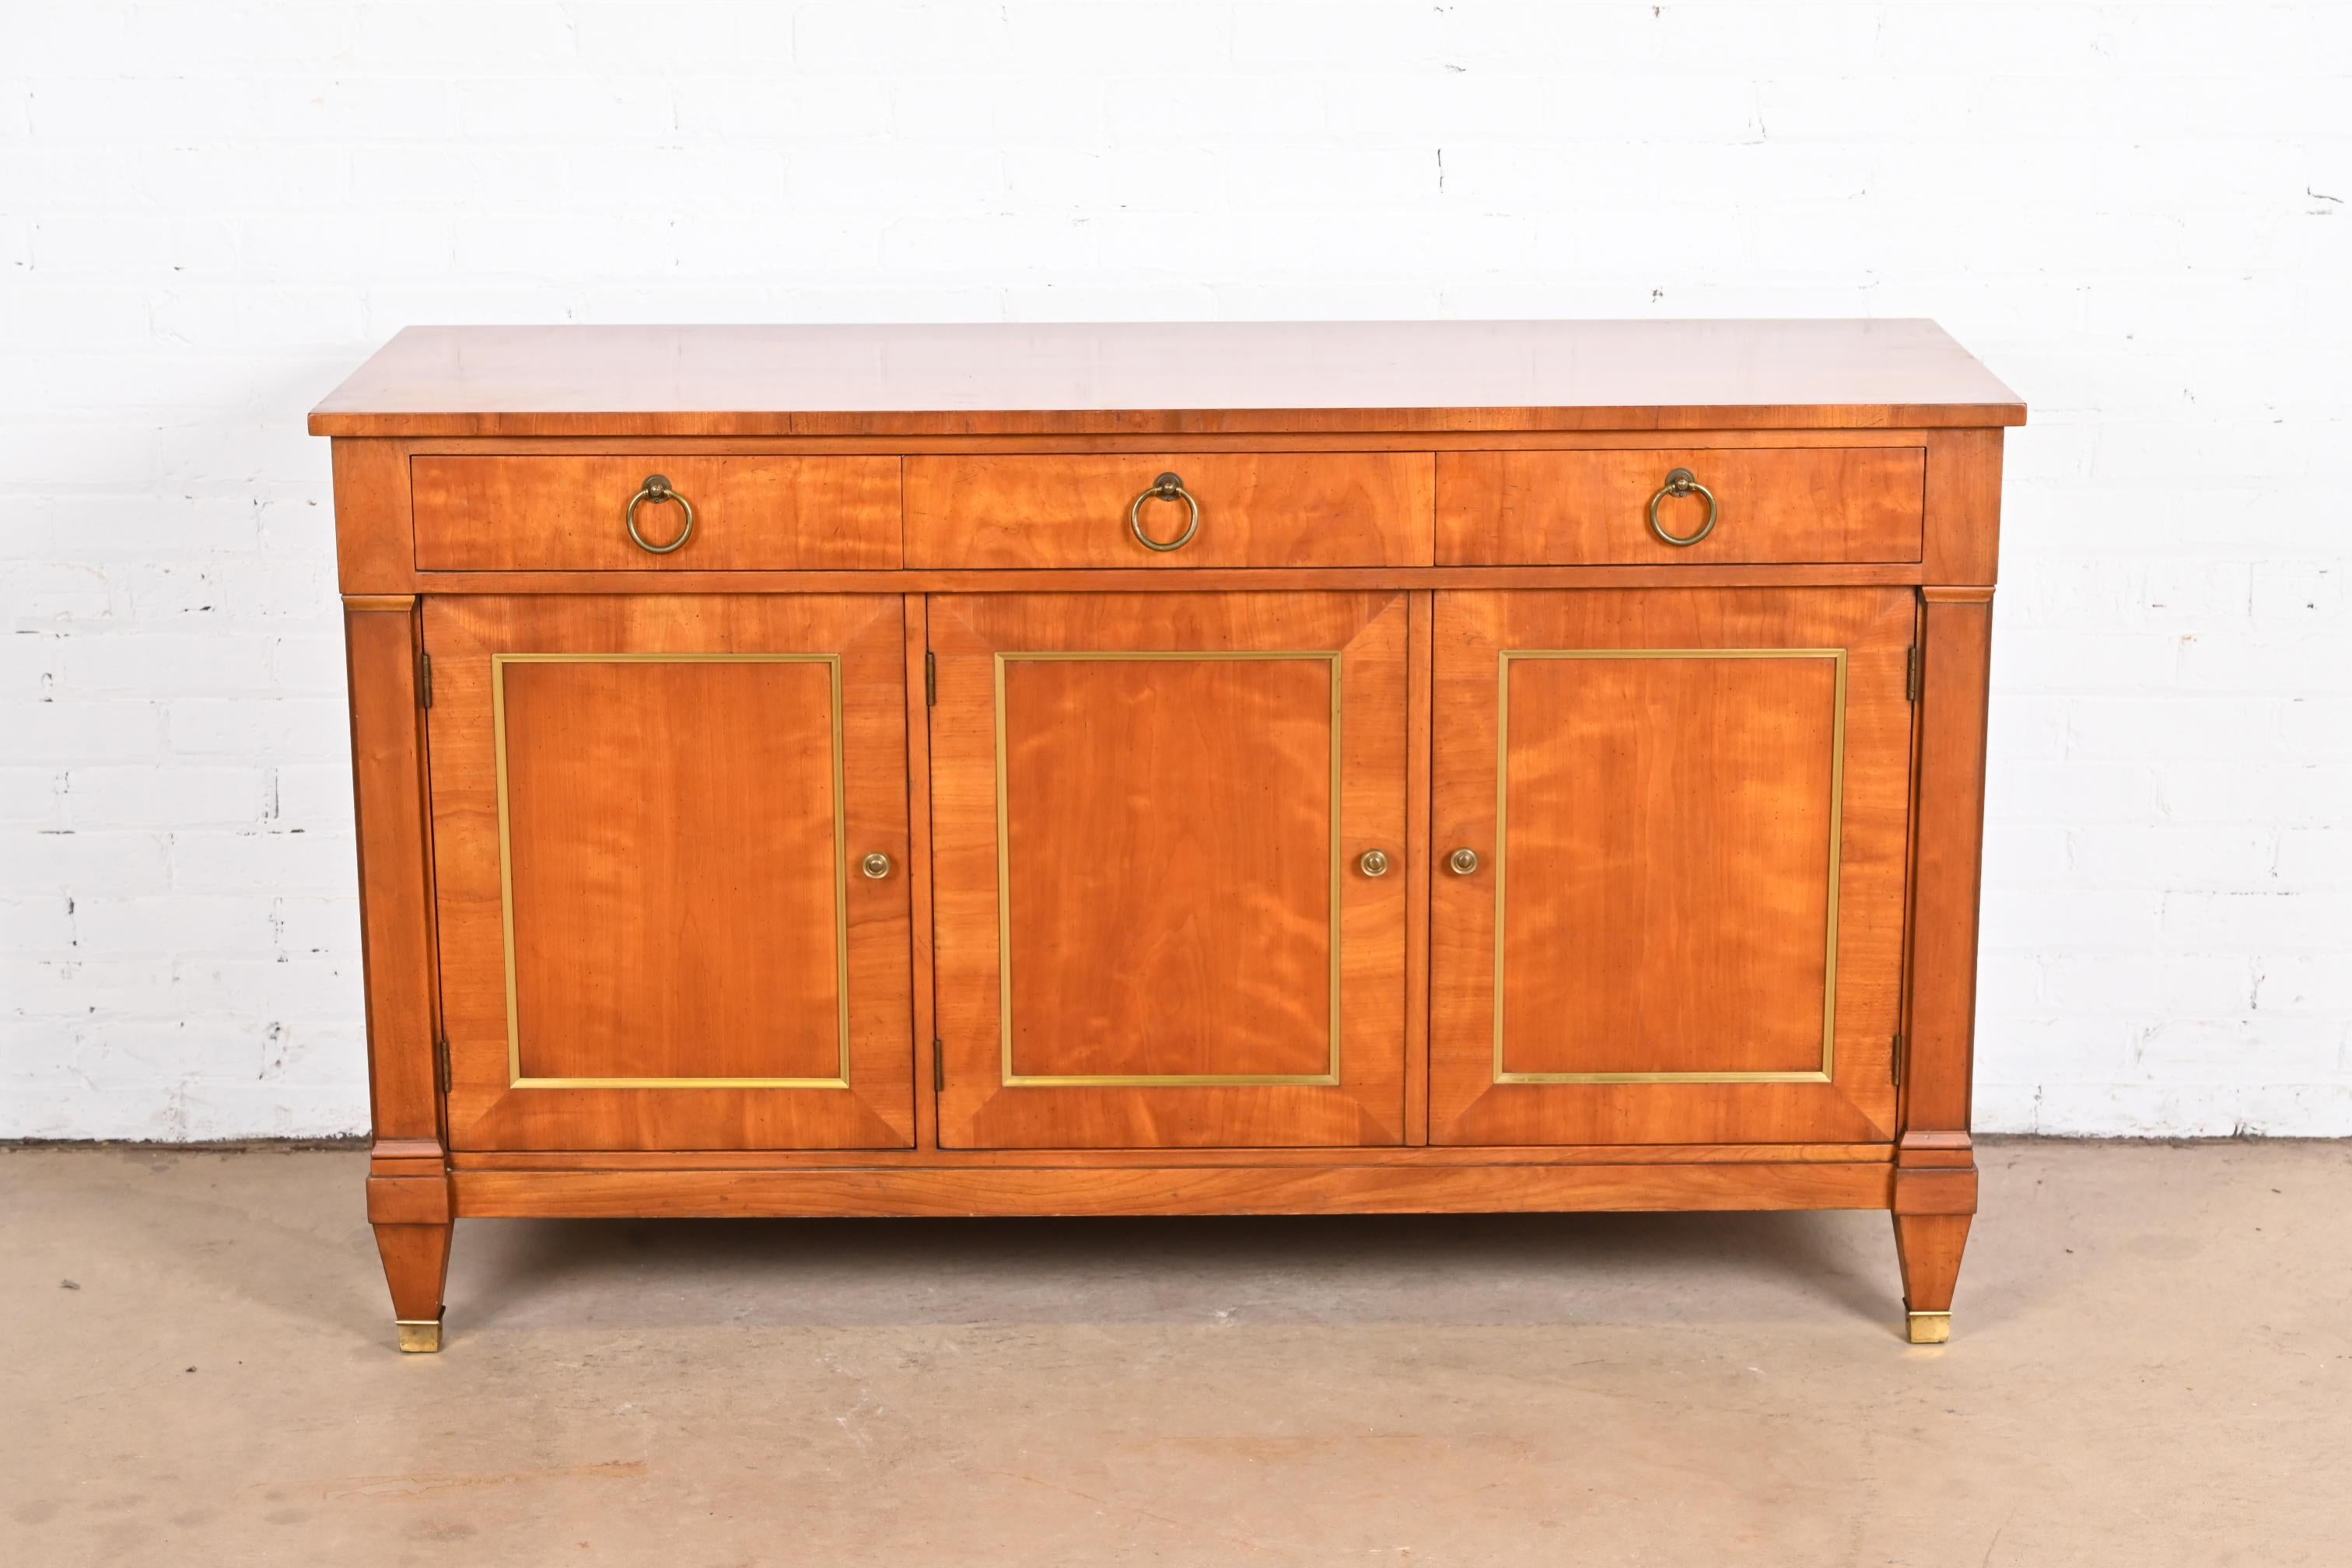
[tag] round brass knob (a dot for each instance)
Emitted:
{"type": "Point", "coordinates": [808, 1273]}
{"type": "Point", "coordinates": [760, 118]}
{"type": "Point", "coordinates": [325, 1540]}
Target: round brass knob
{"type": "Point", "coordinates": [1462, 862]}
{"type": "Point", "coordinates": [877, 865]}
{"type": "Point", "coordinates": [656, 489]}
{"type": "Point", "coordinates": [1373, 863]}
{"type": "Point", "coordinates": [1167, 486]}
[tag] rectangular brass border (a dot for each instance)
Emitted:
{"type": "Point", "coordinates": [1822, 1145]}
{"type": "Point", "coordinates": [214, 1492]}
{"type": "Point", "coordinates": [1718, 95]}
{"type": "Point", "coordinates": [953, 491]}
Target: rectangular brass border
{"type": "Point", "coordinates": [1837, 835]}
{"type": "Point", "coordinates": [1006, 1075]}
{"type": "Point", "coordinates": [831, 661]}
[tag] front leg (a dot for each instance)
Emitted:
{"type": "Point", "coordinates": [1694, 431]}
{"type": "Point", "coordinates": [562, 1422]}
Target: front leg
{"type": "Point", "coordinates": [414, 1221]}
{"type": "Point", "coordinates": [1929, 1246]}
{"type": "Point", "coordinates": [416, 1265]}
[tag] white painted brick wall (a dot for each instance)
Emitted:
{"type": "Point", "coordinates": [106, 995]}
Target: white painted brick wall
{"type": "Point", "coordinates": [2135, 212]}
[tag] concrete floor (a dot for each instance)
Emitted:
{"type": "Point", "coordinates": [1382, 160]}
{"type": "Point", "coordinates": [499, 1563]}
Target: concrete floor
{"type": "Point", "coordinates": [2149, 1365]}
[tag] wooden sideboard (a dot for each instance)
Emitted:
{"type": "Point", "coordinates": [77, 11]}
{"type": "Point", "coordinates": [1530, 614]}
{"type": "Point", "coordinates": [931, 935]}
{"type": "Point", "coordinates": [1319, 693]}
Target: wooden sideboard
{"type": "Point", "coordinates": [1183, 769]}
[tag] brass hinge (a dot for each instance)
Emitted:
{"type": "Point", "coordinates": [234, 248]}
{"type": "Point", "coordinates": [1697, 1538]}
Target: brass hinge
{"type": "Point", "coordinates": [1912, 675]}
{"type": "Point", "coordinates": [930, 679]}
{"type": "Point", "coordinates": [1898, 1060]}
{"type": "Point", "coordinates": [939, 1068]}
{"type": "Point", "coordinates": [425, 680]}
{"type": "Point", "coordinates": [441, 1063]}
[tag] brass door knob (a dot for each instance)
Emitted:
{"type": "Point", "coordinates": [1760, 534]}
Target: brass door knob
{"type": "Point", "coordinates": [1373, 863]}
{"type": "Point", "coordinates": [1462, 862]}
{"type": "Point", "coordinates": [877, 865]}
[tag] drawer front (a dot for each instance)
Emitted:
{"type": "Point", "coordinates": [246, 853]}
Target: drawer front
{"type": "Point", "coordinates": [571, 514]}
{"type": "Point", "coordinates": [1797, 505]}
{"type": "Point", "coordinates": [1273, 508]}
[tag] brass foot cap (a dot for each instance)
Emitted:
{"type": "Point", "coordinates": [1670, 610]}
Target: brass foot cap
{"type": "Point", "coordinates": [1930, 1328]}
{"type": "Point", "coordinates": [419, 1338]}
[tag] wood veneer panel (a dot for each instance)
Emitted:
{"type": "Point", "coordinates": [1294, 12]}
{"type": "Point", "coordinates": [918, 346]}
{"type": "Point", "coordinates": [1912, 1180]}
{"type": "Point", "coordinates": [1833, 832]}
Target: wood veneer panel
{"type": "Point", "coordinates": [1165, 989]}
{"type": "Point", "coordinates": [562, 513]}
{"type": "Point", "coordinates": [1025, 378]}
{"type": "Point", "coordinates": [396, 935]}
{"type": "Point", "coordinates": [1963, 497]}
{"type": "Point", "coordinates": [1607, 911]}
{"type": "Point", "coordinates": [673, 868]}
{"type": "Point", "coordinates": [1170, 896]}
{"type": "Point", "coordinates": [1956, 671]}
{"type": "Point", "coordinates": [706, 878]}
{"type": "Point", "coordinates": [1115, 580]}
{"type": "Point", "coordinates": [1088, 1159]}
{"type": "Point", "coordinates": [373, 551]}
{"type": "Point", "coordinates": [1273, 508]}
{"type": "Point", "coordinates": [1670, 826]}
{"type": "Point", "coordinates": [1174, 1190]}
{"type": "Point", "coordinates": [1151, 442]}
{"type": "Point", "coordinates": [1773, 505]}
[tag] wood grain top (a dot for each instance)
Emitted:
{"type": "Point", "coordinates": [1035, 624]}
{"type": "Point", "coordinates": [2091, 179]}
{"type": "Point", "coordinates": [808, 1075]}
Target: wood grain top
{"type": "Point", "coordinates": [1201, 377]}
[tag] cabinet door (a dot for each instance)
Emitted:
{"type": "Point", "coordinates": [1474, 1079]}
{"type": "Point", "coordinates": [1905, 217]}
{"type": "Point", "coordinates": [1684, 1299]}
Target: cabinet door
{"type": "Point", "coordinates": [1685, 924]}
{"type": "Point", "coordinates": [1150, 815]}
{"type": "Point", "coordinates": [648, 820]}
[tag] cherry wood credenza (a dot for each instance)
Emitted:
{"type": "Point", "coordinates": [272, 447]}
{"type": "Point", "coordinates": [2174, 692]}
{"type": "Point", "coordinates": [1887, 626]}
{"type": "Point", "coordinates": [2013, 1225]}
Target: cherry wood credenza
{"type": "Point", "coordinates": [1182, 769]}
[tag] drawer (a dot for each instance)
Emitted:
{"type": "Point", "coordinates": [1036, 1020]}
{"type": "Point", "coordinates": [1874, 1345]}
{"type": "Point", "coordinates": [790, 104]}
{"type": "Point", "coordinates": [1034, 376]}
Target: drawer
{"type": "Point", "coordinates": [1258, 509]}
{"type": "Point", "coordinates": [1798, 505]}
{"type": "Point", "coordinates": [571, 514]}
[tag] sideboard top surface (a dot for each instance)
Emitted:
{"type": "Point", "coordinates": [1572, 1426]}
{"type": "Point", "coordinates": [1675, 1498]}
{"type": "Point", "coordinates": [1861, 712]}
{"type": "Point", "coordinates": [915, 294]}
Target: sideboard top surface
{"type": "Point", "coordinates": [1201, 377]}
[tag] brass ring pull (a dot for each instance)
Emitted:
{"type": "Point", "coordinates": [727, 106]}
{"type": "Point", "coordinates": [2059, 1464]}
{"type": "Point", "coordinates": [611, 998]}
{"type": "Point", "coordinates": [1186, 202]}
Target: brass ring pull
{"type": "Point", "coordinates": [1683, 482]}
{"type": "Point", "coordinates": [1167, 486]}
{"type": "Point", "coordinates": [657, 490]}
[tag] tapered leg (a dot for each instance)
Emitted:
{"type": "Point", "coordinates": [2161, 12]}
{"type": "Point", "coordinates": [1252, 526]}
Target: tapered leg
{"type": "Point", "coordinates": [416, 1265]}
{"type": "Point", "coordinates": [1929, 1246]}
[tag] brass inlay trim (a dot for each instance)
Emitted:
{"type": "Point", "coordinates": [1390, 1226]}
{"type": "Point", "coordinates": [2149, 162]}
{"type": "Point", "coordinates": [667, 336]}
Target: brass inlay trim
{"type": "Point", "coordinates": [1837, 833]}
{"type": "Point", "coordinates": [831, 662]}
{"type": "Point", "coordinates": [1007, 1077]}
